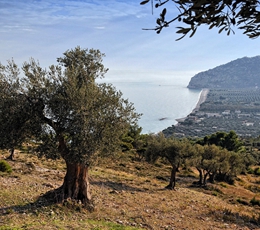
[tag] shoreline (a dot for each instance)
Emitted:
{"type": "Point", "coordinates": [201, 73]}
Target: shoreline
{"type": "Point", "coordinates": [202, 98]}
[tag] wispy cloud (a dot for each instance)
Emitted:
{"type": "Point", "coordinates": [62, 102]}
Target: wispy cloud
{"type": "Point", "coordinates": [44, 29]}
{"type": "Point", "coordinates": [52, 12]}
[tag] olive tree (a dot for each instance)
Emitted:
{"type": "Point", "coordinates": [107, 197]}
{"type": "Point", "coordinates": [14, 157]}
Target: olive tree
{"type": "Point", "coordinates": [214, 162]}
{"type": "Point", "coordinates": [80, 118]}
{"type": "Point", "coordinates": [156, 144]}
{"type": "Point", "coordinates": [175, 151]}
{"type": "Point", "coordinates": [16, 117]}
{"type": "Point", "coordinates": [224, 15]}
{"type": "Point", "coordinates": [208, 163]}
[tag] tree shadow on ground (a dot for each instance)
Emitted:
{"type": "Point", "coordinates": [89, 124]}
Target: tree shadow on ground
{"type": "Point", "coordinates": [44, 200]}
{"type": "Point", "coordinates": [29, 207]}
{"type": "Point", "coordinates": [239, 219]}
{"type": "Point", "coordinates": [118, 186]}
{"type": "Point", "coordinates": [51, 198]}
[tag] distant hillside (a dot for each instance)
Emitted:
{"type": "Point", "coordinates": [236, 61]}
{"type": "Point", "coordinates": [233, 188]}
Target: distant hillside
{"type": "Point", "coordinates": [240, 73]}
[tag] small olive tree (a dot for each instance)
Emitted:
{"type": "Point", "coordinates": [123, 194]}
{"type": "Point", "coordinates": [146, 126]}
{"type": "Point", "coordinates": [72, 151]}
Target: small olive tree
{"type": "Point", "coordinates": [16, 111]}
{"type": "Point", "coordinates": [175, 151]}
{"type": "Point", "coordinates": [214, 162]}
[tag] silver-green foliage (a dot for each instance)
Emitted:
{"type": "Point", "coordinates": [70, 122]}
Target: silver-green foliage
{"type": "Point", "coordinates": [223, 15]}
{"type": "Point", "coordinates": [79, 117]}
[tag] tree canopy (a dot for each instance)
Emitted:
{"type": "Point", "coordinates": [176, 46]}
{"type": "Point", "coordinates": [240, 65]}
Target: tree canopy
{"type": "Point", "coordinates": [229, 141]}
{"type": "Point", "coordinates": [214, 156]}
{"type": "Point", "coordinates": [79, 118]}
{"type": "Point", "coordinates": [224, 15]}
{"type": "Point", "coordinates": [176, 151]}
{"type": "Point", "coordinates": [16, 112]}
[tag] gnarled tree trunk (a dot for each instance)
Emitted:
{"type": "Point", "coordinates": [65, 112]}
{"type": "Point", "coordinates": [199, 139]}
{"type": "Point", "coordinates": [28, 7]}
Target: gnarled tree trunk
{"type": "Point", "coordinates": [172, 183]}
{"type": "Point", "coordinates": [76, 184]}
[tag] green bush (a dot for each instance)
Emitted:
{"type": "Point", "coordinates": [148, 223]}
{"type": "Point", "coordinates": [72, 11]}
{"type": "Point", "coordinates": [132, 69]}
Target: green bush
{"type": "Point", "coordinates": [250, 171]}
{"type": "Point", "coordinates": [223, 185]}
{"type": "Point", "coordinates": [126, 146]}
{"type": "Point", "coordinates": [5, 167]}
{"type": "Point", "coordinates": [241, 201]}
{"type": "Point", "coordinates": [257, 171]}
{"type": "Point", "coordinates": [255, 201]}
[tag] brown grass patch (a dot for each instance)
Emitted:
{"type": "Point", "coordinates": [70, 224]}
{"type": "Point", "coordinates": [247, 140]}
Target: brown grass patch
{"type": "Point", "coordinates": [128, 194]}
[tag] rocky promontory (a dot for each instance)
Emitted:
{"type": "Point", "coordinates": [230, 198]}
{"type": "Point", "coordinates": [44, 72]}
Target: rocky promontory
{"type": "Point", "coordinates": [241, 73]}
{"type": "Point", "coordinates": [229, 100]}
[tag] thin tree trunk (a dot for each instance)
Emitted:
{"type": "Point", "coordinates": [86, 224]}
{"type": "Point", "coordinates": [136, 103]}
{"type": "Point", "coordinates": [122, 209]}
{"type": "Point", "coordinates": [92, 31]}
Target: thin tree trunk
{"type": "Point", "coordinates": [11, 156]}
{"type": "Point", "coordinates": [205, 178]}
{"type": "Point", "coordinates": [76, 184]}
{"type": "Point", "coordinates": [212, 177]}
{"type": "Point", "coordinates": [200, 176]}
{"type": "Point", "coordinates": [172, 183]}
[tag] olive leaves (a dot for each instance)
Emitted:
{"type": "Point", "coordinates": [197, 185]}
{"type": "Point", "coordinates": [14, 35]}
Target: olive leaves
{"type": "Point", "coordinates": [223, 15]}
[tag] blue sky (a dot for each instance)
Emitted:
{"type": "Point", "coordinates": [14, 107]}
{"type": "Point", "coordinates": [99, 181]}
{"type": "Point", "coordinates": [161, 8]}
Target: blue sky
{"type": "Point", "coordinates": [44, 29]}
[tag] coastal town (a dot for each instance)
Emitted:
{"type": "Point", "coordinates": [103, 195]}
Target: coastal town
{"type": "Point", "coordinates": [221, 110]}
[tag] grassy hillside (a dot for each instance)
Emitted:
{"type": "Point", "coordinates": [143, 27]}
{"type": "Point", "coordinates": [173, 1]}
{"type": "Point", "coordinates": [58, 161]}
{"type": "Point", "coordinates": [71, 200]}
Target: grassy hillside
{"type": "Point", "coordinates": [128, 194]}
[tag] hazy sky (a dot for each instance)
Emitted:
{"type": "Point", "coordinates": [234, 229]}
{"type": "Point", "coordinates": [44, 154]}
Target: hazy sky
{"type": "Point", "coordinates": [44, 29]}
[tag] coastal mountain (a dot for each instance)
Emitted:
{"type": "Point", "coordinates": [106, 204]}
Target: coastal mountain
{"type": "Point", "coordinates": [241, 73]}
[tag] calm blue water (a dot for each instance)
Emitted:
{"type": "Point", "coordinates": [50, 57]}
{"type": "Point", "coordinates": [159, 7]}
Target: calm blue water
{"type": "Point", "coordinates": [156, 99]}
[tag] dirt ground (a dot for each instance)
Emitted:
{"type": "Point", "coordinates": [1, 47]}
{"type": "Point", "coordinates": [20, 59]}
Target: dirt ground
{"type": "Point", "coordinates": [128, 194]}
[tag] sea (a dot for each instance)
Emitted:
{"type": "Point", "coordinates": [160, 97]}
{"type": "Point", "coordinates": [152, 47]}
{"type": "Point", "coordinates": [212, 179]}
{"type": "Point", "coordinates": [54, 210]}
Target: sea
{"type": "Point", "coordinates": [160, 99]}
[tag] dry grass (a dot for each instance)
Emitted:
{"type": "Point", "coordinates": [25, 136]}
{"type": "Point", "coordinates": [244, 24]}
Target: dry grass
{"type": "Point", "coordinates": [128, 194]}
